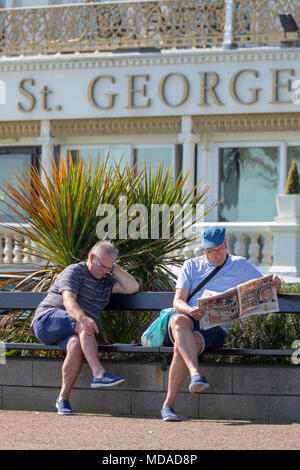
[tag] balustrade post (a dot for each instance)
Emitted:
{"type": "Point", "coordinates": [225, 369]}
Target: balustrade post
{"type": "Point", "coordinates": [8, 250]}
{"type": "Point", "coordinates": [267, 253]}
{"type": "Point", "coordinates": [240, 247]}
{"type": "Point", "coordinates": [27, 256]}
{"type": "Point", "coordinates": [17, 255]}
{"type": "Point", "coordinates": [253, 248]}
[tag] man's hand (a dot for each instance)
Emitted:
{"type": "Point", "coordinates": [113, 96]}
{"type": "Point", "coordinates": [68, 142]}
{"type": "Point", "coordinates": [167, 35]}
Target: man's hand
{"type": "Point", "coordinates": [126, 283]}
{"type": "Point", "coordinates": [83, 322]}
{"type": "Point", "coordinates": [276, 282]}
{"type": "Point", "coordinates": [196, 312]}
{"type": "Point", "coordinates": [88, 325]}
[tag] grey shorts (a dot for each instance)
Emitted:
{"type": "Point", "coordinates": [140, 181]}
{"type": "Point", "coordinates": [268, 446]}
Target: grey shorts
{"type": "Point", "coordinates": [210, 339]}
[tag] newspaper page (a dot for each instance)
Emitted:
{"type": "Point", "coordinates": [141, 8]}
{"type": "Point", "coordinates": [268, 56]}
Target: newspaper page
{"type": "Point", "coordinates": [258, 296]}
{"type": "Point", "coordinates": [219, 308]}
{"type": "Point", "coordinates": [250, 298]}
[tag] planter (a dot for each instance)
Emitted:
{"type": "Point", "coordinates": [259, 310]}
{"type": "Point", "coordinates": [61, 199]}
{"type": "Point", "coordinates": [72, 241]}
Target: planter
{"type": "Point", "coordinates": [286, 236]}
{"type": "Point", "coordinates": [288, 208]}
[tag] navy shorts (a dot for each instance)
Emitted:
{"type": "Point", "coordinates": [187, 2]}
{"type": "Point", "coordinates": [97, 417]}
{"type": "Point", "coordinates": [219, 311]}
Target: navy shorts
{"type": "Point", "coordinates": [211, 338]}
{"type": "Point", "coordinates": [54, 327]}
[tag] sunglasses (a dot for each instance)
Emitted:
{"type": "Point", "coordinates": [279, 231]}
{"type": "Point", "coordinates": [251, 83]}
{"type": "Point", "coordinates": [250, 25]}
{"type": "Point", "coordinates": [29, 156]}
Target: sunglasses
{"type": "Point", "coordinates": [102, 265]}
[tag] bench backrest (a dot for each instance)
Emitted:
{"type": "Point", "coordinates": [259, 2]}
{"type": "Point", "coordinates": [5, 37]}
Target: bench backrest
{"type": "Point", "coordinates": [288, 303]}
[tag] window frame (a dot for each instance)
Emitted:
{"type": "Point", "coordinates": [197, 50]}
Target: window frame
{"type": "Point", "coordinates": [33, 151]}
{"type": "Point", "coordinates": [208, 165]}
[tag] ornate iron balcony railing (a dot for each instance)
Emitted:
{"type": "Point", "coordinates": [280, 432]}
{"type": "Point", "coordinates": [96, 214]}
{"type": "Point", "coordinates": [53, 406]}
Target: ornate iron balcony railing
{"type": "Point", "coordinates": [112, 26]}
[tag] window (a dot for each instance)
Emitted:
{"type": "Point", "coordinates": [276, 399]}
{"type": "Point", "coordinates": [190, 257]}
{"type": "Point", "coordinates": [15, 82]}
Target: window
{"type": "Point", "coordinates": [116, 153]}
{"type": "Point", "coordinates": [12, 161]}
{"type": "Point", "coordinates": [248, 183]}
{"type": "Point", "coordinates": [153, 156]}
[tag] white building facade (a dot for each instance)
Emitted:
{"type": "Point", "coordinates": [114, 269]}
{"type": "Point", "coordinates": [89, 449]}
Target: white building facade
{"type": "Point", "coordinates": [210, 87]}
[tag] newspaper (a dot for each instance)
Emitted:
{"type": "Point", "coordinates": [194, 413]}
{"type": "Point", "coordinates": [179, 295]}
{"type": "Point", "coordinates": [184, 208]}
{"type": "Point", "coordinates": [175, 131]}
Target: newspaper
{"type": "Point", "coordinates": [250, 298]}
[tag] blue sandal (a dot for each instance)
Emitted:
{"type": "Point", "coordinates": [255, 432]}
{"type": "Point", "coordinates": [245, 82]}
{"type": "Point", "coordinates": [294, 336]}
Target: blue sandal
{"type": "Point", "coordinates": [63, 407]}
{"type": "Point", "coordinates": [198, 384]}
{"type": "Point", "coordinates": [168, 414]}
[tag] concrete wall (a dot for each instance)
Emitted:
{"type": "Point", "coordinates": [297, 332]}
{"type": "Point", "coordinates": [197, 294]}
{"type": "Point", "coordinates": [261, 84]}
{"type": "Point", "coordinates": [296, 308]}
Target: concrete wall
{"type": "Point", "coordinates": [265, 392]}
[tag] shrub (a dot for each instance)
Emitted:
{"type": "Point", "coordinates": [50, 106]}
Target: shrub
{"type": "Point", "coordinates": [292, 183]}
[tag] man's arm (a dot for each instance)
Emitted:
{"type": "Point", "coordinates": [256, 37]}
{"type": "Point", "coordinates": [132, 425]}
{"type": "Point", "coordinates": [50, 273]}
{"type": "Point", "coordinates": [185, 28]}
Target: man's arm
{"type": "Point", "coordinates": [126, 283]}
{"type": "Point", "coordinates": [75, 312]}
{"type": "Point", "coordinates": [181, 306]}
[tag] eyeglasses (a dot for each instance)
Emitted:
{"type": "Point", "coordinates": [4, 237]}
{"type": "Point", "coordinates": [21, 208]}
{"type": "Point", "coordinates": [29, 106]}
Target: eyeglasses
{"type": "Point", "coordinates": [215, 250]}
{"type": "Point", "coordinates": [102, 265]}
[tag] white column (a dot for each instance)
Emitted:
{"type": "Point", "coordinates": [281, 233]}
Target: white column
{"type": "Point", "coordinates": [47, 148]}
{"type": "Point", "coordinates": [228, 29]}
{"type": "Point", "coordinates": [189, 140]}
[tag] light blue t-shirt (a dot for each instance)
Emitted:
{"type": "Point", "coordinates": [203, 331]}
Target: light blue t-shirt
{"type": "Point", "coordinates": [235, 271]}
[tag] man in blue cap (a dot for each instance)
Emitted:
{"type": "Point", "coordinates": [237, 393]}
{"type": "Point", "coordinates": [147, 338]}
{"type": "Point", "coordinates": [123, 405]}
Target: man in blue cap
{"type": "Point", "coordinates": [184, 329]}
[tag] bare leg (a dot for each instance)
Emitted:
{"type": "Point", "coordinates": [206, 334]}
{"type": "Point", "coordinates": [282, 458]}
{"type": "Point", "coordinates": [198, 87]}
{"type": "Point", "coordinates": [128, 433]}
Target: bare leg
{"type": "Point", "coordinates": [71, 367]}
{"type": "Point", "coordinates": [185, 358]}
{"type": "Point", "coordinates": [177, 375]}
{"type": "Point", "coordinates": [90, 350]}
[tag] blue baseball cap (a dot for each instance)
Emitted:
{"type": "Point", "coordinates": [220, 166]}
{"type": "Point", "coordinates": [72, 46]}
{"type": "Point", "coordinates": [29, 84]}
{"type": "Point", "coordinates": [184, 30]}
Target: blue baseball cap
{"type": "Point", "coordinates": [212, 236]}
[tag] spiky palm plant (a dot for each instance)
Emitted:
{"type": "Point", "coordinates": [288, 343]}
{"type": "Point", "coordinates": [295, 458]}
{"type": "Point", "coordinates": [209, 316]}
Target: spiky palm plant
{"type": "Point", "coordinates": [59, 214]}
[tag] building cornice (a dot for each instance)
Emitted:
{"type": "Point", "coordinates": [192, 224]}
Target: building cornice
{"type": "Point", "coordinates": [19, 129]}
{"type": "Point", "coordinates": [162, 125]}
{"type": "Point", "coordinates": [110, 60]}
{"type": "Point", "coordinates": [267, 122]}
{"type": "Point", "coordinates": [116, 126]}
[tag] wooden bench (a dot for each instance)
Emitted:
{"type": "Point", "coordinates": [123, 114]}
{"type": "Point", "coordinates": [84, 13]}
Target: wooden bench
{"type": "Point", "coordinates": [155, 301]}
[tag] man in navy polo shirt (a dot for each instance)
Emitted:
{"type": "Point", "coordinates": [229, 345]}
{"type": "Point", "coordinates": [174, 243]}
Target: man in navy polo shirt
{"type": "Point", "coordinates": [68, 315]}
{"type": "Point", "coordinates": [184, 329]}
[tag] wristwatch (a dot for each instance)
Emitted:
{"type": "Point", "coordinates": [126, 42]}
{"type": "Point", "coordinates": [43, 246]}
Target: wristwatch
{"type": "Point", "coordinates": [114, 266]}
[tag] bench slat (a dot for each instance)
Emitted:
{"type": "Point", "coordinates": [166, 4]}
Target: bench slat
{"type": "Point", "coordinates": [132, 348]}
{"type": "Point", "coordinates": [288, 303]}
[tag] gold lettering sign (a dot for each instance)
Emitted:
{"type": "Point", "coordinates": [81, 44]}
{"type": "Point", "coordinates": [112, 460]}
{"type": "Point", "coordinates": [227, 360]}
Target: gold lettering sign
{"type": "Point", "coordinates": [276, 85]}
{"type": "Point", "coordinates": [233, 92]}
{"type": "Point", "coordinates": [205, 88]}
{"type": "Point", "coordinates": [27, 95]}
{"type": "Point", "coordinates": [185, 94]}
{"type": "Point", "coordinates": [132, 91]}
{"type": "Point", "coordinates": [137, 91]}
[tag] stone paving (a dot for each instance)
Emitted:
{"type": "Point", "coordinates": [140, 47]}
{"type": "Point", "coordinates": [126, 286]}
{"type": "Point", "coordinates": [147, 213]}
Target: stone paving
{"type": "Point", "coordinates": [29, 430]}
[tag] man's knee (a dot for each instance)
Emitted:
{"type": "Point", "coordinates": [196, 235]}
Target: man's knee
{"type": "Point", "coordinates": [180, 322]}
{"type": "Point", "coordinates": [74, 345]}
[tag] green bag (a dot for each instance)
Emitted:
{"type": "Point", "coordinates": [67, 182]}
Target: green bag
{"type": "Point", "coordinates": [154, 335]}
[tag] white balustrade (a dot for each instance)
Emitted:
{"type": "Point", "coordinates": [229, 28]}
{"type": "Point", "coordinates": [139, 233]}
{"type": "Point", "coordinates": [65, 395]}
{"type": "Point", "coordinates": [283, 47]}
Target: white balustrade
{"type": "Point", "coordinates": [11, 249]}
{"type": "Point", "coordinates": [252, 240]}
